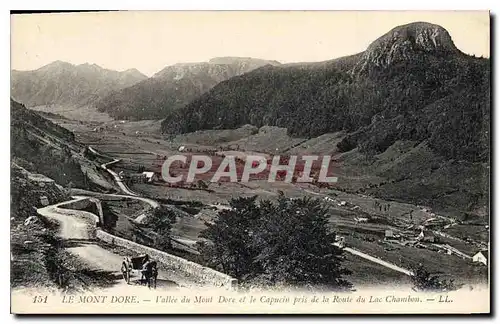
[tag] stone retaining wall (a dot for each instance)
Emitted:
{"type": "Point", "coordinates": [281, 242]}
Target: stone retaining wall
{"type": "Point", "coordinates": [83, 205]}
{"type": "Point", "coordinates": [203, 275]}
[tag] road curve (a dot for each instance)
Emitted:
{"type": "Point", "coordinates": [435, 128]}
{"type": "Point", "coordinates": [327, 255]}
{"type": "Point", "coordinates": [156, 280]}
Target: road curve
{"type": "Point", "coordinates": [117, 178]}
{"type": "Point", "coordinates": [129, 193]}
{"type": "Point", "coordinates": [76, 228]}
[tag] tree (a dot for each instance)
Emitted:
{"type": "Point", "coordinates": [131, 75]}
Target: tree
{"type": "Point", "coordinates": [286, 243]}
{"type": "Point", "coordinates": [160, 222]}
{"type": "Point", "coordinates": [296, 247]}
{"type": "Point", "coordinates": [229, 247]}
{"type": "Point", "coordinates": [202, 184]}
{"type": "Point", "coordinates": [423, 280]}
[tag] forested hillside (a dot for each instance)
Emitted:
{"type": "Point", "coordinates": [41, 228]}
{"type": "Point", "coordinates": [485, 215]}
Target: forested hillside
{"type": "Point", "coordinates": [410, 84]}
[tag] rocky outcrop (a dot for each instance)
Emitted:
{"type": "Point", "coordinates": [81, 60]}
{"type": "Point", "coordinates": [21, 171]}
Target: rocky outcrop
{"type": "Point", "coordinates": [404, 42]}
{"type": "Point", "coordinates": [30, 190]}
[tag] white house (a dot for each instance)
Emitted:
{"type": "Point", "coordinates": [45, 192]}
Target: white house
{"type": "Point", "coordinates": [150, 176]}
{"type": "Point", "coordinates": [481, 257]}
{"type": "Point", "coordinates": [426, 236]}
{"type": "Point", "coordinates": [361, 219]}
{"type": "Point", "coordinates": [339, 241]}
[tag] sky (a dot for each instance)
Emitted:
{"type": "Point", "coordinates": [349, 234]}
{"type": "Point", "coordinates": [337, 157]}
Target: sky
{"type": "Point", "coordinates": [151, 40]}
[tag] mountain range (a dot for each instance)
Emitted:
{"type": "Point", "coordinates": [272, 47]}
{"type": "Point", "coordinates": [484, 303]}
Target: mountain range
{"type": "Point", "coordinates": [408, 118]}
{"type": "Point", "coordinates": [129, 94]}
{"type": "Point", "coordinates": [62, 83]}
{"type": "Point", "coordinates": [174, 87]}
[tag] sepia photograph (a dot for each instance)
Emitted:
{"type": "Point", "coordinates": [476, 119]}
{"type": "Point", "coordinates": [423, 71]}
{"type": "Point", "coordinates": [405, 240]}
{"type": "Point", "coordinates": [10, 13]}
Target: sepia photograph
{"type": "Point", "coordinates": [250, 162]}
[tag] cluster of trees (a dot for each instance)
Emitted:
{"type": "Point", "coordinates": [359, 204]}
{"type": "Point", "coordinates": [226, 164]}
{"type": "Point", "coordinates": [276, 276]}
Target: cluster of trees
{"type": "Point", "coordinates": [160, 222]}
{"type": "Point", "coordinates": [423, 280]}
{"type": "Point", "coordinates": [283, 243]}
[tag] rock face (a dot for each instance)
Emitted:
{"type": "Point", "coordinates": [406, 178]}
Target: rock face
{"type": "Point", "coordinates": [404, 42]}
{"type": "Point", "coordinates": [174, 87]}
{"type": "Point", "coordinates": [44, 149]}
{"type": "Point", "coordinates": [218, 69]}
{"type": "Point", "coordinates": [27, 191]}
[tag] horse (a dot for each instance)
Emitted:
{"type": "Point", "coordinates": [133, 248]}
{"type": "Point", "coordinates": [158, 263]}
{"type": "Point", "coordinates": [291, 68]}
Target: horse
{"type": "Point", "coordinates": [150, 273]}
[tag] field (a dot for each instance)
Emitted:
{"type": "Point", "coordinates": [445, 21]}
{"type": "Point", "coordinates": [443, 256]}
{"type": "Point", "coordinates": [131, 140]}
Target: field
{"type": "Point", "coordinates": [367, 274]}
{"type": "Point", "coordinates": [76, 113]}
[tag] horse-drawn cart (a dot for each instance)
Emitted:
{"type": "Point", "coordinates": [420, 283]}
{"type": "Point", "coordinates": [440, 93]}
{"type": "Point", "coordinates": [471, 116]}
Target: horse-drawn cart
{"type": "Point", "coordinates": [142, 267]}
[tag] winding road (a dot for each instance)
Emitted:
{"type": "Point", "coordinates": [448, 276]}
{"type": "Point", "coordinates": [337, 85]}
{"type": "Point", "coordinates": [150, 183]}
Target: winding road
{"type": "Point", "coordinates": [224, 207]}
{"type": "Point", "coordinates": [123, 187]}
{"type": "Point", "coordinates": [117, 178]}
{"type": "Point", "coordinates": [76, 230]}
{"type": "Point", "coordinates": [76, 227]}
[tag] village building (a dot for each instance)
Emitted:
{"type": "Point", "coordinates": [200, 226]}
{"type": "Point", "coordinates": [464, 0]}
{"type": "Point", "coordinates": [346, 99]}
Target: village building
{"type": "Point", "coordinates": [144, 177]}
{"type": "Point", "coordinates": [361, 219]}
{"type": "Point", "coordinates": [481, 257]}
{"type": "Point", "coordinates": [426, 236]}
{"type": "Point", "coordinates": [390, 235]}
{"type": "Point", "coordinates": [340, 241]}
{"type": "Point", "coordinates": [135, 177]}
{"type": "Point", "coordinates": [150, 176]}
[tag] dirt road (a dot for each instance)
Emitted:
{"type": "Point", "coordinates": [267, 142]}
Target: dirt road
{"type": "Point", "coordinates": [75, 230]}
{"type": "Point", "coordinates": [379, 261]}
{"type": "Point", "coordinates": [124, 187]}
{"type": "Point", "coordinates": [117, 178]}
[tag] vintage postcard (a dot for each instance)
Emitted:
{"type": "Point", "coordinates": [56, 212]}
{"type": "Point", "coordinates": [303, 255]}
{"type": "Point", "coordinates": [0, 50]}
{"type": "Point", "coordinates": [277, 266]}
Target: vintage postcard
{"type": "Point", "coordinates": [250, 162]}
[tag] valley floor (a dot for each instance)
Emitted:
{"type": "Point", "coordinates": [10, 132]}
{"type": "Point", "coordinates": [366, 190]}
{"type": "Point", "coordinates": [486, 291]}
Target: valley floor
{"type": "Point", "coordinates": [390, 236]}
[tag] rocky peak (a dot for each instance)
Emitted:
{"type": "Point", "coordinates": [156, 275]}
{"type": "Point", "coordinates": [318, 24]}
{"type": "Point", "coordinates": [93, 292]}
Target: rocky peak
{"type": "Point", "coordinates": [403, 42]}
{"type": "Point", "coordinates": [241, 60]}
{"type": "Point", "coordinates": [219, 68]}
{"type": "Point", "coordinates": [89, 67]}
{"type": "Point", "coordinates": [135, 73]}
{"type": "Point", "coordinates": [56, 65]}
